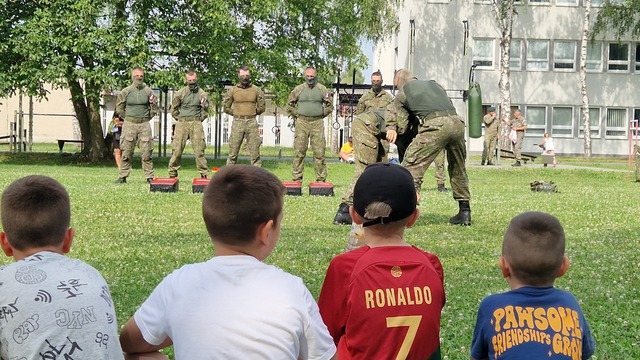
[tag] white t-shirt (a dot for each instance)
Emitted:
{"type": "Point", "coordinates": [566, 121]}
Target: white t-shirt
{"type": "Point", "coordinates": [55, 307]}
{"type": "Point", "coordinates": [235, 307]}
{"type": "Point", "coordinates": [548, 144]}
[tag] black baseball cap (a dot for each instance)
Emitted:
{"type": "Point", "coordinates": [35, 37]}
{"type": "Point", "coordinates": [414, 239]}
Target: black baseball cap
{"type": "Point", "coordinates": [388, 183]}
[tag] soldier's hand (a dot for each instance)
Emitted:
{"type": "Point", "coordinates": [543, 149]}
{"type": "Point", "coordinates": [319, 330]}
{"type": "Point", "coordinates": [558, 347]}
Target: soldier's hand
{"type": "Point", "coordinates": [392, 135]}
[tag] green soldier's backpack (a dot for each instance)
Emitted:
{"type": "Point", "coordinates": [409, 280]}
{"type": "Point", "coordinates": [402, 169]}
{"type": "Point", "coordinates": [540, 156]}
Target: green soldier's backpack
{"type": "Point", "coordinates": [544, 186]}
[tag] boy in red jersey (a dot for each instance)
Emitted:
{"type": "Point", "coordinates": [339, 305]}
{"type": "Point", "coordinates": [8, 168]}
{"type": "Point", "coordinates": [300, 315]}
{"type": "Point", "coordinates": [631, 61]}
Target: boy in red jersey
{"type": "Point", "coordinates": [383, 300]}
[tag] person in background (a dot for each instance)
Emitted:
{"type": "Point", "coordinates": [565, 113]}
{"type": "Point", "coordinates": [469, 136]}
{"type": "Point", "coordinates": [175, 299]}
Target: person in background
{"type": "Point", "coordinates": [490, 136]}
{"type": "Point", "coordinates": [548, 148]}
{"type": "Point", "coordinates": [519, 125]}
{"type": "Point", "coordinates": [346, 151]}
{"type": "Point", "coordinates": [116, 133]}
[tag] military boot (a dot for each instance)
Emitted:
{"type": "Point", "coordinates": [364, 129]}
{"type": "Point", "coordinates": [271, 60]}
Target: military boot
{"type": "Point", "coordinates": [517, 163]}
{"type": "Point", "coordinates": [121, 180]}
{"type": "Point", "coordinates": [442, 188]}
{"type": "Point", "coordinates": [464, 215]}
{"type": "Point", "coordinates": [342, 215]}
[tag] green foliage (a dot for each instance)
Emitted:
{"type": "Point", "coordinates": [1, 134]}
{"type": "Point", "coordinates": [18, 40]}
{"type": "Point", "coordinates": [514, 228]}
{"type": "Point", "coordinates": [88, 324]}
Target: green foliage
{"type": "Point", "coordinates": [135, 237]}
{"type": "Point", "coordinates": [622, 17]}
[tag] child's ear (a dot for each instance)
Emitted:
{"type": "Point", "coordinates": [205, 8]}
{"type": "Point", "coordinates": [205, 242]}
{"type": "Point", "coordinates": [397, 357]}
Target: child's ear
{"type": "Point", "coordinates": [414, 217]}
{"type": "Point", "coordinates": [4, 243]}
{"type": "Point", "coordinates": [564, 267]}
{"type": "Point", "coordinates": [68, 240]}
{"type": "Point", "coordinates": [264, 231]}
{"type": "Point", "coordinates": [504, 267]}
{"type": "Point", "coordinates": [354, 216]}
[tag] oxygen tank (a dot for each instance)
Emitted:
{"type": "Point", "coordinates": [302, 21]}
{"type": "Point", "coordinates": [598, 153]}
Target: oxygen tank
{"type": "Point", "coordinates": [475, 110]}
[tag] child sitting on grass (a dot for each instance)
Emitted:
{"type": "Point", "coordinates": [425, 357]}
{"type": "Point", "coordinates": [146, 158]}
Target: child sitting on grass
{"type": "Point", "coordinates": [233, 306]}
{"type": "Point", "coordinates": [51, 306]}
{"type": "Point", "coordinates": [534, 320]}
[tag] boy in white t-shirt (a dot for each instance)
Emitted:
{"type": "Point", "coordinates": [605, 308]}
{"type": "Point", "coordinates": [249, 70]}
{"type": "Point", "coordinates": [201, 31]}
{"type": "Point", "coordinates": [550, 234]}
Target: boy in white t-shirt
{"type": "Point", "coordinates": [233, 306]}
{"type": "Point", "coordinates": [548, 148]}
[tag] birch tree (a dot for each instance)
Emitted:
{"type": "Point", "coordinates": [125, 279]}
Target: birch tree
{"type": "Point", "coordinates": [583, 79]}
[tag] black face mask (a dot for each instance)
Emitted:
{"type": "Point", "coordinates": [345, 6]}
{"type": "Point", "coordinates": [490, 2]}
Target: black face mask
{"type": "Point", "coordinates": [193, 86]}
{"type": "Point", "coordinates": [312, 81]}
{"type": "Point", "coordinates": [376, 88]}
{"type": "Point", "coordinates": [245, 80]}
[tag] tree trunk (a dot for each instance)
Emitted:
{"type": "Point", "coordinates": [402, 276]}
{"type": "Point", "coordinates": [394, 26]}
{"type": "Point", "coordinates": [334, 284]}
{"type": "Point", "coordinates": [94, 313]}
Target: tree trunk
{"type": "Point", "coordinates": [583, 80]}
{"type": "Point", "coordinates": [87, 108]}
{"type": "Point", "coordinates": [504, 13]}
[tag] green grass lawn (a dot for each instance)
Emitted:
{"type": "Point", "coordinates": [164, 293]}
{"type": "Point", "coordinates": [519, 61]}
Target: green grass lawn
{"type": "Point", "coordinates": [135, 237]}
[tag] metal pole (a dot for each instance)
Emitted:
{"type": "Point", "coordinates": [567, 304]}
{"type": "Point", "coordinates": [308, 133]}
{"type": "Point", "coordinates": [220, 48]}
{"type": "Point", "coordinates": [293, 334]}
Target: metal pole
{"type": "Point", "coordinates": [30, 123]}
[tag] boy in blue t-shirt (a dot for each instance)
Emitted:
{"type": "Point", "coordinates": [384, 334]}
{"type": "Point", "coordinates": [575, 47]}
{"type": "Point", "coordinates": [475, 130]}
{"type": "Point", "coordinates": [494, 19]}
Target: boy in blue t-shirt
{"type": "Point", "coordinates": [534, 320]}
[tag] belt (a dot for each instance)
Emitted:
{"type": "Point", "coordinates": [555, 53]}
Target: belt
{"type": "Point", "coordinates": [436, 114]}
{"type": "Point", "coordinates": [310, 118]}
{"type": "Point", "coordinates": [189, 118]}
{"type": "Point", "coordinates": [244, 117]}
{"type": "Point", "coordinates": [136, 120]}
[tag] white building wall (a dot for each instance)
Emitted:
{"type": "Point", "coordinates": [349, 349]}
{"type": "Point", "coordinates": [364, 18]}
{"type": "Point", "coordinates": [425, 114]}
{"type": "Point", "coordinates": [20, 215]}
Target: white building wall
{"type": "Point", "coordinates": [439, 53]}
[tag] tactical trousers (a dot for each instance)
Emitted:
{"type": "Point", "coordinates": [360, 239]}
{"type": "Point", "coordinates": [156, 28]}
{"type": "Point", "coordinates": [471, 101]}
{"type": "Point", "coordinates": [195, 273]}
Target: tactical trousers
{"type": "Point", "coordinates": [240, 129]}
{"type": "Point", "coordinates": [517, 147]}
{"type": "Point", "coordinates": [307, 129]}
{"type": "Point", "coordinates": [367, 146]}
{"type": "Point", "coordinates": [488, 151]}
{"type": "Point", "coordinates": [132, 134]}
{"type": "Point", "coordinates": [439, 168]}
{"type": "Point", "coordinates": [188, 130]}
{"type": "Point", "coordinates": [435, 135]}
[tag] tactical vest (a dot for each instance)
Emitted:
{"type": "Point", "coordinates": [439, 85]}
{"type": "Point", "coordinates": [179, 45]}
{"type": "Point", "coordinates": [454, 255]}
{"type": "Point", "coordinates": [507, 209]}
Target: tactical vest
{"type": "Point", "coordinates": [310, 102]}
{"type": "Point", "coordinates": [137, 102]}
{"type": "Point", "coordinates": [244, 100]}
{"type": "Point", "coordinates": [425, 97]}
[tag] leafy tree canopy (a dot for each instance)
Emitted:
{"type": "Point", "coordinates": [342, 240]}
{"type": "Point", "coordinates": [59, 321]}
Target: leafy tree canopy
{"type": "Point", "coordinates": [622, 17]}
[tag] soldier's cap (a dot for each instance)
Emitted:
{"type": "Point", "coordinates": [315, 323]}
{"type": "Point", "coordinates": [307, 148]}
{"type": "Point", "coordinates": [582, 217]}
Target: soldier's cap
{"type": "Point", "coordinates": [492, 108]}
{"type": "Point", "coordinates": [517, 109]}
{"type": "Point", "coordinates": [388, 183]}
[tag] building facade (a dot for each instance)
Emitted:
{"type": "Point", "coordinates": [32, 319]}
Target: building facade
{"type": "Point", "coordinates": [442, 39]}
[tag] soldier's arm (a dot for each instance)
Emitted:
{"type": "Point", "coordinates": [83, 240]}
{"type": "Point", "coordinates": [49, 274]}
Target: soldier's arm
{"type": "Point", "coordinates": [292, 102]}
{"type": "Point", "coordinates": [227, 102]}
{"type": "Point", "coordinates": [361, 104]}
{"type": "Point", "coordinates": [261, 105]}
{"type": "Point", "coordinates": [175, 104]}
{"type": "Point", "coordinates": [204, 104]}
{"type": "Point", "coordinates": [396, 116]}
{"type": "Point", "coordinates": [153, 105]}
{"type": "Point", "coordinates": [327, 101]}
{"type": "Point", "coordinates": [121, 102]}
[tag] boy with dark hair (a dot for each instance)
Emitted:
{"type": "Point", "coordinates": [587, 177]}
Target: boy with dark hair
{"type": "Point", "coordinates": [234, 306]}
{"type": "Point", "coordinates": [383, 300]}
{"type": "Point", "coordinates": [51, 306]}
{"type": "Point", "coordinates": [534, 320]}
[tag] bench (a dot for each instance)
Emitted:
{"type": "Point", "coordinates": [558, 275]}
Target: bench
{"type": "Point", "coordinates": [12, 140]}
{"type": "Point", "coordinates": [61, 143]}
{"type": "Point", "coordinates": [508, 154]}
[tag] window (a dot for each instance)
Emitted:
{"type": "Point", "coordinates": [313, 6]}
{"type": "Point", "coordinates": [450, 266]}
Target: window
{"type": "Point", "coordinates": [594, 57]}
{"type": "Point", "coordinates": [596, 2]}
{"type": "Point", "coordinates": [594, 123]}
{"type": "Point", "coordinates": [637, 58]}
{"type": "Point", "coordinates": [564, 55]}
{"type": "Point", "coordinates": [515, 51]}
{"type": "Point", "coordinates": [538, 55]}
{"type": "Point", "coordinates": [616, 124]}
{"type": "Point", "coordinates": [618, 57]}
{"type": "Point", "coordinates": [562, 121]}
{"type": "Point", "coordinates": [536, 117]}
{"type": "Point", "coordinates": [567, 2]}
{"type": "Point", "coordinates": [634, 124]}
{"type": "Point", "coordinates": [539, 2]}
{"type": "Point", "coordinates": [483, 53]}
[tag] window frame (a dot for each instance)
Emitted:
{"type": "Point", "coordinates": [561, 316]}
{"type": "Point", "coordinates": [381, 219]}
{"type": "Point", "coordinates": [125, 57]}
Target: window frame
{"type": "Point", "coordinates": [529, 59]}
{"type": "Point", "coordinates": [592, 127]}
{"type": "Point", "coordinates": [623, 128]}
{"type": "Point", "coordinates": [557, 61]}
{"type": "Point", "coordinates": [555, 128]}
{"type": "Point", "coordinates": [519, 68]}
{"type": "Point", "coordinates": [536, 130]}
{"type": "Point", "coordinates": [618, 62]}
{"type": "Point", "coordinates": [600, 62]}
{"type": "Point", "coordinates": [478, 58]}
{"type": "Point", "coordinates": [571, 3]}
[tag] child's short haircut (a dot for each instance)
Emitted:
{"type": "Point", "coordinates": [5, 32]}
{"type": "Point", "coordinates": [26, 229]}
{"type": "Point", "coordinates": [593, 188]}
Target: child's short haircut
{"type": "Point", "coordinates": [36, 212]}
{"type": "Point", "coordinates": [238, 199]}
{"type": "Point", "coordinates": [384, 193]}
{"type": "Point", "coordinates": [534, 247]}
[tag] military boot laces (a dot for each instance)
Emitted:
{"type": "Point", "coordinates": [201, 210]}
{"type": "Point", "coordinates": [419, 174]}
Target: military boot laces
{"type": "Point", "coordinates": [342, 215]}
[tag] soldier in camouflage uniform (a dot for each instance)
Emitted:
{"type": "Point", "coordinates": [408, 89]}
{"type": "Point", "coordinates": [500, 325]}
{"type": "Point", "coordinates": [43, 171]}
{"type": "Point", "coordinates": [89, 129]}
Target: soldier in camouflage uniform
{"type": "Point", "coordinates": [138, 105]}
{"type": "Point", "coordinates": [190, 107]}
{"type": "Point", "coordinates": [308, 105]}
{"type": "Point", "coordinates": [519, 124]}
{"type": "Point", "coordinates": [369, 140]}
{"type": "Point", "coordinates": [439, 128]}
{"type": "Point", "coordinates": [490, 136]}
{"type": "Point", "coordinates": [244, 101]}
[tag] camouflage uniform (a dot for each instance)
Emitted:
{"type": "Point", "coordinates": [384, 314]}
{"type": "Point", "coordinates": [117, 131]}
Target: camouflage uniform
{"type": "Point", "coordinates": [490, 138]}
{"type": "Point", "coordinates": [309, 106]}
{"type": "Point", "coordinates": [517, 147]}
{"type": "Point", "coordinates": [368, 140]}
{"type": "Point", "coordinates": [440, 128]}
{"type": "Point", "coordinates": [139, 105]}
{"type": "Point", "coordinates": [190, 109]}
{"type": "Point", "coordinates": [244, 103]}
{"type": "Point", "coordinates": [439, 169]}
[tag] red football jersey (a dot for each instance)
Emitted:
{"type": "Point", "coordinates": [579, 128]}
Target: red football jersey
{"type": "Point", "coordinates": [384, 303]}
